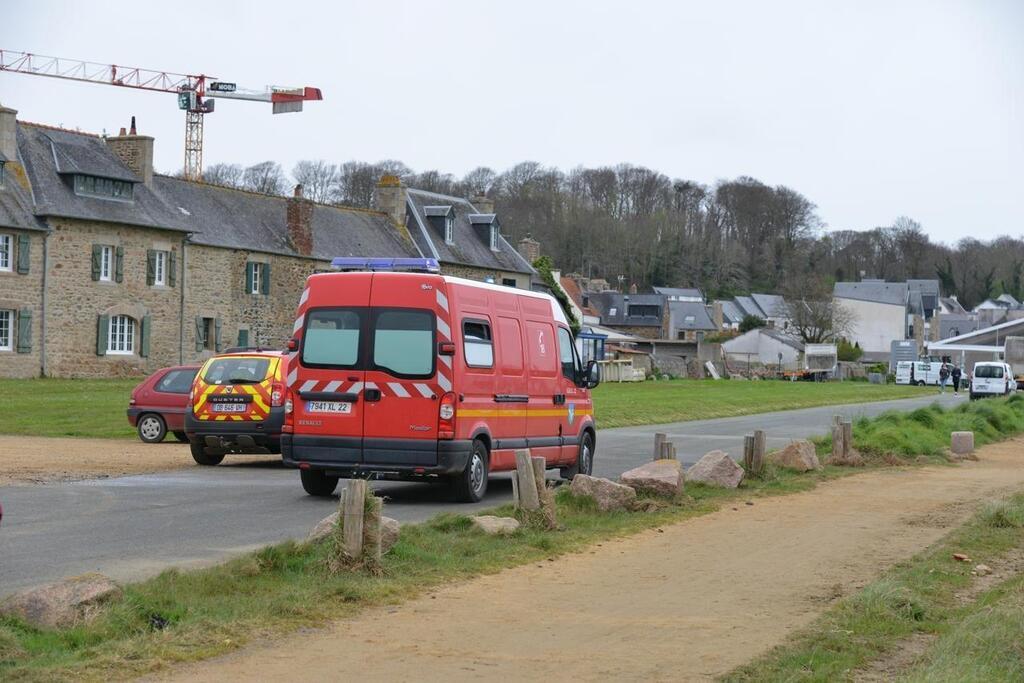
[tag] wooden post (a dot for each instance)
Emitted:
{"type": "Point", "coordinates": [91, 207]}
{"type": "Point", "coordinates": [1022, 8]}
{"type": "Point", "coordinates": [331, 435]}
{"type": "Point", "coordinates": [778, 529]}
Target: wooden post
{"type": "Point", "coordinates": [515, 490]}
{"type": "Point", "coordinates": [539, 475]}
{"type": "Point", "coordinates": [838, 450]}
{"type": "Point", "coordinates": [837, 419]}
{"type": "Point", "coordinates": [659, 439]}
{"type": "Point", "coordinates": [528, 498]}
{"type": "Point", "coordinates": [372, 531]}
{"type": "Point", "coordinates": [847, 438]}
{"type": "Point", "coordinates": [672, 451]}
{"type": "Point", "coordinates": [352, 516]}
{"type": "Point", "coordinates": [544, 495]}
{"type": "Point", "coordinates": [757, 454]}
{"type": "Point", "coordinates": [748, 452]}
{"type": "Point", "coordinates": [668, 451]}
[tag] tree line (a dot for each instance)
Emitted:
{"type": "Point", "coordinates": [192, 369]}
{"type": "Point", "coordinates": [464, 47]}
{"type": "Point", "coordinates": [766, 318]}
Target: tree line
{"type": "Point", "coordinates": [634, 225]}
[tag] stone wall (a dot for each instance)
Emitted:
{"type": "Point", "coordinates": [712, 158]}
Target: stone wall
{"type": "Point", "coordinates": [23, 291]}
{"type": "Point", "coordinates": [647, 332]}
{"type": "Point", "coordinates": [75, 301]}
{"type": "Point", "coordinates": [482, 274]}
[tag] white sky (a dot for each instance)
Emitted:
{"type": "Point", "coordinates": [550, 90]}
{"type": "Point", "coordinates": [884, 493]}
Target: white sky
{"type": "Point", "coordinates": [870, 109]}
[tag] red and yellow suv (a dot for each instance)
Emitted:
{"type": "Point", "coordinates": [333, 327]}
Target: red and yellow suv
{"type": "Point", "coordinates": [237, 405]}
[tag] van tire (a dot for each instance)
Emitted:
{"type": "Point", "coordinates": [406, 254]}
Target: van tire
{"type": "Point", "coordinates": [151, 428]}
{"type": "Point", "coordinates": [201, 457]}
{"type": "Point", "coordinates": [470, 485]}
{"type": "Point", "coordinates": [587, 443]}
{"type": "Point", "coordinates": [317, 483]}
{"type": "Point", "coordinates": [920, 382]}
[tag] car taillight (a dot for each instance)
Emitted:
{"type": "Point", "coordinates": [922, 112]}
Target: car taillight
{"type": "Point", "coordinates": [289, 417]}
{"type": "Point", "coordinates": [288, 406]}
{"type": "Point", "coordinates": [446, 417]}
{"type": "Point", "coordinates": [277, 394]}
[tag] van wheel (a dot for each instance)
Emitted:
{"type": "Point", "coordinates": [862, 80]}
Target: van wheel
{"type": "Point", "coordinates": [200, 455]}
{"type": "Point", "coordinates": [584, 459]}
{"type": "Point", "coordinates": [920, 382]}
{"type": "Point", "coordinates": [152, 428]}
{"type": "Point", "coordinates": [471, 485]}
{"type": "Point", "coordinates": [317, 483]}
{"type": "Point", "coordinates": [181, 436]}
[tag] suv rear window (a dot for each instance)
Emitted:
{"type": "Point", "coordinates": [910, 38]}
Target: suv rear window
{"type": "Point", "coordinates": [237, 371]}
{"type": "Point", "coordinates": [403, 342]}
{"type": "Point", "coordinates": [989, 371]}
{"type": "Point", "coordinates": [331, 338]}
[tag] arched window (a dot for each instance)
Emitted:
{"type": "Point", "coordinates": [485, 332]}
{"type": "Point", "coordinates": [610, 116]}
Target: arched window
{"type": "Point", "coordinates": [121, 335]}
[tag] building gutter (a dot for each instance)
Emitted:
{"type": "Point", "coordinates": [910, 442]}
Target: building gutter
{"type": "Point", "coordinates": [181, 294]}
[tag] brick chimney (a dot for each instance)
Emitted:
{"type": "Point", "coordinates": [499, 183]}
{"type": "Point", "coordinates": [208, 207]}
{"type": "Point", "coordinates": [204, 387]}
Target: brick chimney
{"type": "Point", "coordinates": [390, 199]}
{"type": "Point", "coordinates": [718, 315]}
{"type": "Point", "coordinates": [528, 247]}
{"type": "Point", "coordinates": [135, 151]}
{"type": "Point", "coordinates": [483, 203]}
{"type": "Point", "coordinates": [8, 134]}
{"type": "Point", "coordinates": [300, 222]}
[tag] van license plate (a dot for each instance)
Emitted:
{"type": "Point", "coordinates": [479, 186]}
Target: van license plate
{"type": "Point", "coordinates": [328, 407]}
{"type": "Point", "coordinates": [228, 407]}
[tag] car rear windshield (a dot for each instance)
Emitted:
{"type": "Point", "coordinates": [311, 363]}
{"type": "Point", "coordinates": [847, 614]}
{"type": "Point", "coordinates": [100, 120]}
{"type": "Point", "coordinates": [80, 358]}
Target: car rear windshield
{"type": "Point", "coordinates": [989, 371]}
{"type": "Point", "coordinates": [237, 371]}
{"type": "Point", "coordinates": [332, 337]}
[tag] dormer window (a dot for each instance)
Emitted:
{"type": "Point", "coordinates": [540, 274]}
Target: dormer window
{"type": "Point", "coordinates": [104, 188]}
{"type": "Point", "coordinates": [442, 218]}
{"type": "Point", "coordinates": [494, 237]}
{"type": "Point", "coordinates": [449, 229]}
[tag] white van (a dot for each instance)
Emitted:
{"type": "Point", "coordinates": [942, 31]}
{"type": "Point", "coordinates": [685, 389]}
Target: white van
{"type": "Point", "coordinates": [919, 372]}
{"type": "Point", "coordinates": [992, 379]}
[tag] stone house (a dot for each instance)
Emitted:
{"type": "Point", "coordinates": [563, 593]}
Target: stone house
{"type": "Point", "coordinates": [107, 268]}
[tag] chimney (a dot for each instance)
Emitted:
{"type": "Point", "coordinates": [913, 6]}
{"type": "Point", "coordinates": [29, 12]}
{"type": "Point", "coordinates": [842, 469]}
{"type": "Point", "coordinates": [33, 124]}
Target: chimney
{"type": "Point", "coordinates": [529, 248]}
{"type": "Point", "coordinates": [632, 288]}
{"type": "Point", "coordinates": [8, 134]}
{"type": "Point", "coordinates": [718, 315]}
{"type": "Point", "coordinates": [300, 222]}
{"type": "Point", "coordinates": [390, 199]}
{"type": "Point", "coordinates": [135, 151]}
{"type": "Point", "coordinates": [483, 204]}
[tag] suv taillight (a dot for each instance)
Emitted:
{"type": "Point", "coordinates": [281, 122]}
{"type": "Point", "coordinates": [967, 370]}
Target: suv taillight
{"type": "Point", "coordinates": [446, 417]}
{"type": "Point", "coordinates": [277, 395]}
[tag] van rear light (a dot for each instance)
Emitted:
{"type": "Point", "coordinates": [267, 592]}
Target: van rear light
{"type": "Point", "coordinates": [277, 394]}
{"type": "Point", "coordinates": [446, 417]}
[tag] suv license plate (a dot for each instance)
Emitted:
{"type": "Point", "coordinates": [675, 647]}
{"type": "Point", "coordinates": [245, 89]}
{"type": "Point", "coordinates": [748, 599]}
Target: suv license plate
{"type": "Point", "coordinates": [328, 407]}
{"type": "Point", "coordinates": [229, 407]}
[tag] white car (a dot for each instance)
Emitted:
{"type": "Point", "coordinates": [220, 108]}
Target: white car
{"type": "Point", "coordinates": [992, 379]}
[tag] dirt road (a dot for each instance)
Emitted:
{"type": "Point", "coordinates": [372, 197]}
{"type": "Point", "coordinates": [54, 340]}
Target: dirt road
{"type": "Point", "coordinates": [36, 459]}
{"type": "Point", "coordinates": [687, 604]}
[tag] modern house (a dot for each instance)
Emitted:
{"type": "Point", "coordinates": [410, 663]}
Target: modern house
{"type": "Point", "coordinates": [879, 313]}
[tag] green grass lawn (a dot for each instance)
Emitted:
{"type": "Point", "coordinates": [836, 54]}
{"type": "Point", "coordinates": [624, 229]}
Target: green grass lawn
{"type": "Point", "coordinates": [96, 408]}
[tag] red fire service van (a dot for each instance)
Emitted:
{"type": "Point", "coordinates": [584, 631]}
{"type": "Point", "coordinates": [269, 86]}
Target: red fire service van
{"type": "Point", "coordinates": [413, 375]}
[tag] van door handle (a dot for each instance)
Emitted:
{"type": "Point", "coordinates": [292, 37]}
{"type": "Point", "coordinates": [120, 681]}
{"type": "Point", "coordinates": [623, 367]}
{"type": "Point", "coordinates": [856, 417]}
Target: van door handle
{"type": "Point", "coordinates": [371, 395]}
{"type": "Point", "coordinates": [559, 399]}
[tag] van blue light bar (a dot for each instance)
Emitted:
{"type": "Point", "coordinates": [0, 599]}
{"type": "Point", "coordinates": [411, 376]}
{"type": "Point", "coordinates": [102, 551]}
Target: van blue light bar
{"type": "Point", "coordinates": [409, 265]}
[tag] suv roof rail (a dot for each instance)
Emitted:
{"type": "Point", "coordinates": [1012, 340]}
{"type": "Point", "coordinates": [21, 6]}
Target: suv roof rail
{"type": "Point", "coordinates": [243, 349]}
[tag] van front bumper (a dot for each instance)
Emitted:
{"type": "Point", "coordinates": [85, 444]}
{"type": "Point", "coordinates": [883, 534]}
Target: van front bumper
{"type": "Point", "coordinates": [255, 436]}
{"type": "Point", "coordinates": [349, 457]}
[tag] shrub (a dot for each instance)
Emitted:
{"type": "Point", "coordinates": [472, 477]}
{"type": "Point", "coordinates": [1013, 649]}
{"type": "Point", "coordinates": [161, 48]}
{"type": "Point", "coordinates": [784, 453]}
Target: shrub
{"type": "Point", "coordinates": [750, 322]}
{"type": "Point", "coordinates": [1003, 514]}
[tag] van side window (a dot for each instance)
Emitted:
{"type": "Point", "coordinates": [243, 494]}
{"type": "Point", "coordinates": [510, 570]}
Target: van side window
{"type": "Point", "coordinates": [477, 344]}
{"type": "Point", "coordinates": [403, 342]}
{"type": "Point", "coordinates": [565, 354]}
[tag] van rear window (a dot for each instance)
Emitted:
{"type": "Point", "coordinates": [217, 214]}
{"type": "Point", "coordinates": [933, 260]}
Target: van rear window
{"type": "Point", "coordinates": [403, 342]}
{"type": "Point", "coordinates": [331, 337]}
{"type": "Point", "coordinates": [989, 371]}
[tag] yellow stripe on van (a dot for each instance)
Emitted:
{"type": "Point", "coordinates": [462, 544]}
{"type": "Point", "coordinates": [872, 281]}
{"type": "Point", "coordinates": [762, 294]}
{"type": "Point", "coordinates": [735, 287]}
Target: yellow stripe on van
{"type": "Point", "coordinates": [536, 412]}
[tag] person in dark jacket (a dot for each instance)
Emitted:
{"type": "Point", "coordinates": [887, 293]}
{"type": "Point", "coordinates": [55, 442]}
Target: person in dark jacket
{"type": "Point", "coordinates": [943, 377]}
{"type": "Point", "coordinates": [955, 376]}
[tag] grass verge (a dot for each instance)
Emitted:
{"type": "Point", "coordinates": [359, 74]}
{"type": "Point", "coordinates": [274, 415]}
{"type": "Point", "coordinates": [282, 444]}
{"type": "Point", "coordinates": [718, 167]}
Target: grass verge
{"type": "Point", "coordinates": [96, 408]}
{"type": "Point", "coordinates": [973, 638]}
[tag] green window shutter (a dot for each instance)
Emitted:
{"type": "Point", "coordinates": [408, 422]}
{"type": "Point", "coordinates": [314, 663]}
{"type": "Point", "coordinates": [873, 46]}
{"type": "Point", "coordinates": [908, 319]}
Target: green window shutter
{"type": "Point", "coordinates": [150, 267]}
{"type": "Point", "coordinates": [119, 265]}
{"type": "Point", "coordinates": [102, 330]}
{"type": "Point", "coordinates": [97, 256]}
{"type": "Point", "coordinates": [200, 341]}
{"type": "Point", "coordinates": [216, 335]}
{"type": "Point", "coordinates": [25, 330]}
{"type": "Point", "coordinates": [144, 336]}
{"type": "Point", "coordinates": [249, 268]}
{"type": "Point", "coordinates": [172, 269]}
{"type": "Point", "coordinates": [265, 282]}
{"type": "Point", "coordinates": [24, 251]}
{"type": "Point", "coordinates": [243, 338]}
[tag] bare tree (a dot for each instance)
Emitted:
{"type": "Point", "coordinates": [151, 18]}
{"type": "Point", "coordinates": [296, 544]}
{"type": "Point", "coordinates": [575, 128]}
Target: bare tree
{"type": "Point", "coordinates": [815, 317]}
{"type": "Point", "coordinates": [319, 180]}
{"type": "Point", "coordinates": [229, 175]}
{"type": "Point", "coordinates": [265, 177]}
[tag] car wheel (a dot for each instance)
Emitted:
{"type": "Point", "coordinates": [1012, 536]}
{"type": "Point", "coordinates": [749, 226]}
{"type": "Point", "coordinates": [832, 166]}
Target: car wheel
{"type": "Point", "coordinates": [471, 485]}
{"type": "Point", "coordinates": [584, 459]}
{"type": "Point", "coordinates": [920, 382]}
{"type": "Point", "coordinates": [151, 428]}
{"type": "Point", "coordinates": [181, 436]}
{"type": "Point", "coordinates": [200, 455]}
{"type": "Point", "coordinates": [317, 483]}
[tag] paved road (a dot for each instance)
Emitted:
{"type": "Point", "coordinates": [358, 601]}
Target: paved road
{"type": "Point", "coordinates": [132, 527]}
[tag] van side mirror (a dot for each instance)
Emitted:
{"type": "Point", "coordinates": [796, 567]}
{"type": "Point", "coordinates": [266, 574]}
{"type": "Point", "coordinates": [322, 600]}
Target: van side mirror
{"type": "Point", "coordinates": [591, 375]}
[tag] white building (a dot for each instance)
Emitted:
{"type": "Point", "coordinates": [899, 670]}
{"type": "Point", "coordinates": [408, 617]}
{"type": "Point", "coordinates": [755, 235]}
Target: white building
{"type": "Point", "coordinates": [879, 313]}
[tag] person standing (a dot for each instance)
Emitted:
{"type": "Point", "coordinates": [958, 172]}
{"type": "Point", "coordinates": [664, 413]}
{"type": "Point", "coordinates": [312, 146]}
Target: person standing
{"type": "Point", "coordinates": [943, 377]}
{"type": "Point", "coordinates": [955, 376]}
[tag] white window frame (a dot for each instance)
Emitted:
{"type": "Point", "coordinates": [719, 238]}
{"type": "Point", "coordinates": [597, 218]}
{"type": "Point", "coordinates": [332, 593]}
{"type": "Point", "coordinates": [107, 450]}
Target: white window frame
{"type": "Point", "coordinates": [257, 278]}
{"type": "Point", "coordinates": [106, 264]}
{"type": "Point", "coordinates": [121, 335]}
{"type": "Point", "coordinates": [160, 268]}
{"type": "Point", "coordinates": [449, 229]}
{"type": "Point", "coordinates": [6, 327]}
{"type": "Point", "coordinates": [494, 237]}
{"type": "Point", "coordinates": [6, 252]}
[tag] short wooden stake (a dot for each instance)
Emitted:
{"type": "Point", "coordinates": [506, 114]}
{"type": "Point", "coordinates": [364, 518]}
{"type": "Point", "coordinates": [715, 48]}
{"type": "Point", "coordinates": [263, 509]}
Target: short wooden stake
{"type": "Point", "coordinates": [528, 498]}
{"type": "Point", "coordinates": [760, 444]}
{"type": "Point", "coordinates": [847, 438]}
{"type": "Point", "coordinates": [539, 475]}
{"type": "Point", "coordinates": [515, 490]}
{"type": "Point", "coordinates": [672, 451]}
{"type": "Point", "coordinates": [352, 516]}
{"type": "Point", "coordinates": [659, 451]}
{"type": "Point", "coordinates": [372, 531]}
{"type": "Point", "coordinates": [667, 451]}
{"type": "Point", "coordinates": [544, 495]}
{"type": "Point", "coordinates": [838, 450]}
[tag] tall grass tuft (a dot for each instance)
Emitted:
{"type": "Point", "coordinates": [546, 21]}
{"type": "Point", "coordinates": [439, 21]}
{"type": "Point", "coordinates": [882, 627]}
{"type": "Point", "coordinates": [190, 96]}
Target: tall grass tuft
{"type": "Point", "coordinates": [1003, 514]}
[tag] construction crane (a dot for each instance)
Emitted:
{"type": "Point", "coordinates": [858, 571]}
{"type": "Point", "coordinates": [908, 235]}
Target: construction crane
{"type": "Point", "coordinates": [195, 92]}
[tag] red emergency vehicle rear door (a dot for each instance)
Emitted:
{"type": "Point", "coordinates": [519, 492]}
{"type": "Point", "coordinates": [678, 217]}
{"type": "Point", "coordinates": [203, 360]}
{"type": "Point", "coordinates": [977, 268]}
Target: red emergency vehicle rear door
{"type": "Point", "coordinates": [405, 375]}
{"type": "Point", "coordinates": [327, 395]}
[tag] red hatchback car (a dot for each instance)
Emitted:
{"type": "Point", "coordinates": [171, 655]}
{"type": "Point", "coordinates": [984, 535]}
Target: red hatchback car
{"type": "Point", "coordinates": [158, 405]}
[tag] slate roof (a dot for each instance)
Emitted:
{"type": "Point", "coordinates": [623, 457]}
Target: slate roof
{"type": "Point", "coordinates": [731, 313]}
{"type": "Point", "coordinates": [605, 302]}
{"type": "Point", "coordinates": [679, 311]}
{"type": "Point", "coordinates": [689, 292]}
{"type": "Point", "coordinates": [471, 242]}
{"type": "Point", "coordinates": [782, 337]}
{"type": "Point", "coordinates": [953, 305]}
{"type": "Point", "coordinates": [436, 210]}
{"type": "Point", "coordinates": [749, 307]}
{"type": "Point", "coordinates": [773, 305]}
{"type": "Point", "coordinates": [16, 201]}
{"type": "Point", "coordinates": [894, 293]}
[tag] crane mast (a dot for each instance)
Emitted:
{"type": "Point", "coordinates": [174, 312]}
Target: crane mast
{"type": "Point", "coordinates": [192, 91]}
